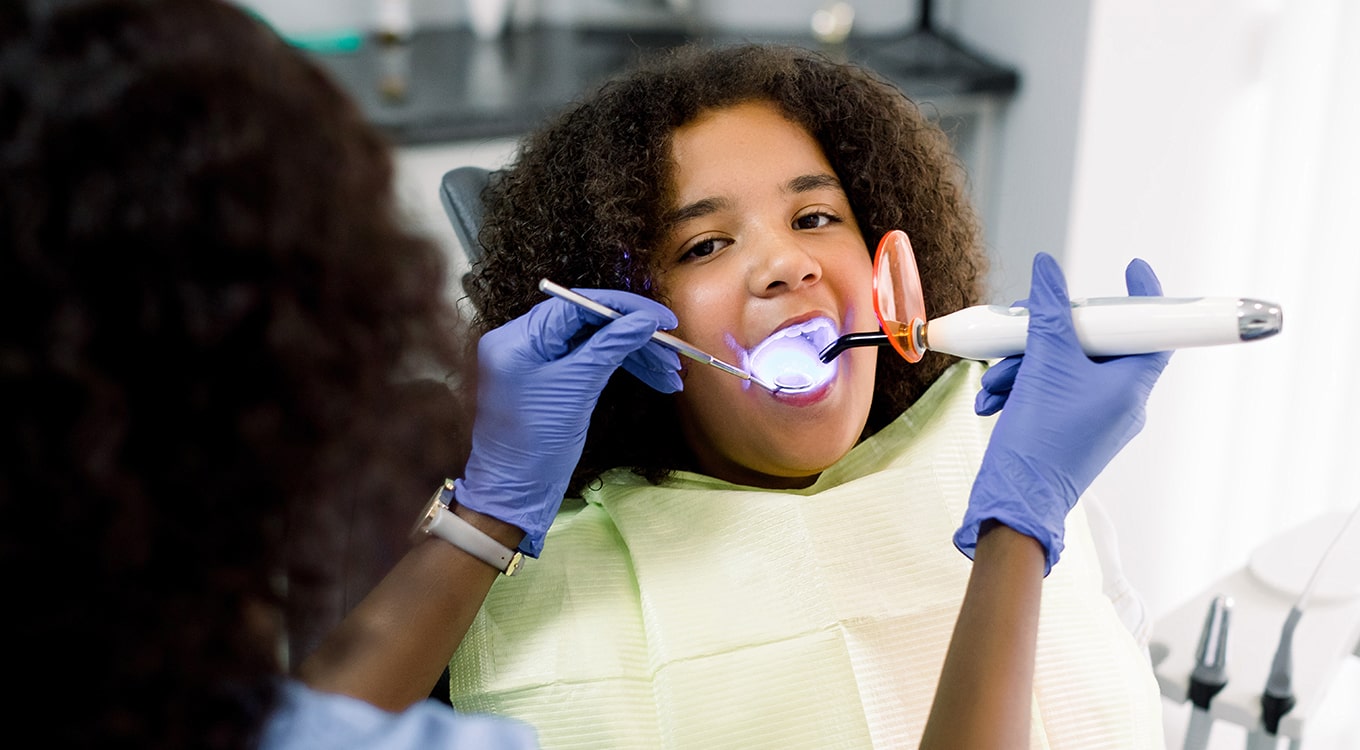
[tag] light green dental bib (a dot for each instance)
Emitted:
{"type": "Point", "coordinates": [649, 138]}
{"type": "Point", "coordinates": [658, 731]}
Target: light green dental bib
{"type": "Point", "coordinates": [699, 614]}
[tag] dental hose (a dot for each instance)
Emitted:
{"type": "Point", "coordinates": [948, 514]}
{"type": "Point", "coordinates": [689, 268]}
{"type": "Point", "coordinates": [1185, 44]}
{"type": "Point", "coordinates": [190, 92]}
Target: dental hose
{"type": "Point", "coordinates": [1278, 697]}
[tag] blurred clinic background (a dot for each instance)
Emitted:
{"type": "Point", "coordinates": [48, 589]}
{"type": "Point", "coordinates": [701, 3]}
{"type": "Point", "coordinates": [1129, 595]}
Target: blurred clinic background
{"type": "Point", "coordinates": [1214, 138]}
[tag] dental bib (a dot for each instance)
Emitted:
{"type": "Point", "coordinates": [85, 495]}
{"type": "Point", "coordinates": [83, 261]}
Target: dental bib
{"type": "Point", "coordinates": [701, 614]}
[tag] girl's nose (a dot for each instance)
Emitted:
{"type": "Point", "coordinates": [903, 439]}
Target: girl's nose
{"type": "Point", "coordinates": [782, 264]}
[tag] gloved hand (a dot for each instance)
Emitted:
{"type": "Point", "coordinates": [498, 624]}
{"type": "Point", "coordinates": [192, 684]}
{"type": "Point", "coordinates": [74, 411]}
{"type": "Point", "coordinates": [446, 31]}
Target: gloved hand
{"type": "Point", "coordinates": [539, 377]}
{"type": "Point", "coordinates": [1065, 416]}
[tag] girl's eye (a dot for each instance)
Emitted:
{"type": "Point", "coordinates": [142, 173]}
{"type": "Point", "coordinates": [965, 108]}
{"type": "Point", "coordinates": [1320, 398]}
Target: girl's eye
{"type": "Point", "coordinates": [815, 220]}
{"type": "Point", "coordinates": [704, 248]}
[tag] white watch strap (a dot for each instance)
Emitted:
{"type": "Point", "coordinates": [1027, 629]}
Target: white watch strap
{"type": "Point", "coordinates": [442, 522]}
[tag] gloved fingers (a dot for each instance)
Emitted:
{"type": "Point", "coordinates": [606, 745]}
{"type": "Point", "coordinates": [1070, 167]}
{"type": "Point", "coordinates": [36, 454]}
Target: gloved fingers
{"type": "Point", "coordinates": [653, 364]}
{"type": "Point", "coordinates": [1140, 279]}
{"type": "Point", "coordinates": [623, 339]}
{"type": "Point", "coordinates": [1051, 332]}
{"type": "Point", "coordinates": [554, 327]}
{"type": "Point", "coordinates": [664, 380]}
{"type": "Point", "coordinates": [1000, 376]}
{"type": "Point", "coordinates": [657, 366]}
{"type": "Point", "coordinates": [997, 383]}
{"type": "Point", "coordinates": [1140, 368]}
{"type": "Point", "coordinates": [627, 302]}
{"type": "Point", "coordinates": [653, 358]}
{"type": "Point", "coordinates": [550, 330]}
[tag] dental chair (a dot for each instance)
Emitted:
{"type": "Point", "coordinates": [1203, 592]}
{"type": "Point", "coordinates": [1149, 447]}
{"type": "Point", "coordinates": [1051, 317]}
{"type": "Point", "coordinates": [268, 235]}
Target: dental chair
{"type": "Point", "coordinates": [460, 192]}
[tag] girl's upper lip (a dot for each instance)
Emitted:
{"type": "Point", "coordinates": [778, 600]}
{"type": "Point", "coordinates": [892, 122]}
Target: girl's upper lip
{"type": "Point", "coordinates": [800, 319]}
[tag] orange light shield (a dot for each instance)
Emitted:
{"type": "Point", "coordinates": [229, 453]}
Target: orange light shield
{"type": "Point", "coordinates": [899, 302]}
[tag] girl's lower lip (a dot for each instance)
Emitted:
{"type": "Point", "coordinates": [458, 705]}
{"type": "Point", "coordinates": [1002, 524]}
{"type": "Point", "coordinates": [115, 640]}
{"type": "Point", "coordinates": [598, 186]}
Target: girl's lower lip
{"type": "Point", "coordinates": [805, 398]}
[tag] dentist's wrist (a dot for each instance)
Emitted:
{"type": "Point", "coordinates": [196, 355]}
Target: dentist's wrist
{"type": "Point", "coordinates": [524, 500]}
{"type": "Point", "coordinates": [506, 533]}
{"type": "Point", "coordinates": [472, 531]}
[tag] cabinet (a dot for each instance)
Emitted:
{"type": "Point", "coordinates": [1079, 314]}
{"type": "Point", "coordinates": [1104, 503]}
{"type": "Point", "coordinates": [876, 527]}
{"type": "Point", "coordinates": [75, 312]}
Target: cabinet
{"type": "Point", "coordinates": [447, 98]}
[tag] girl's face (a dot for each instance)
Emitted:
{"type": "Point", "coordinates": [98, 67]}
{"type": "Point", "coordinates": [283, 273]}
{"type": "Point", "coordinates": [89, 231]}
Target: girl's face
{"type": "Point", "coordinates": [760, 240]}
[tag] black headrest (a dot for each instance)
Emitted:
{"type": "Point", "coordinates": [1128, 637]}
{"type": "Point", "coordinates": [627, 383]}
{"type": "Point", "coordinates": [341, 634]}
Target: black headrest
{"type": "Point", "coordinates": [461, 193]}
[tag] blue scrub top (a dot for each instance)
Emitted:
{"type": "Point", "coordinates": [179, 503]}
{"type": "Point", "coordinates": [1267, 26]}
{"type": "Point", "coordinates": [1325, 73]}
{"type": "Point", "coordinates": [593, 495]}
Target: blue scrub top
{"type": "Point", "coordinates": [306, 718]}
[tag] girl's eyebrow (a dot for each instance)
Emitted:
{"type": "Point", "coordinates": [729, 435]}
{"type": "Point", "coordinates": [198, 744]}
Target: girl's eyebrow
{"type": "Point", "coordinates": [809, 182]}
{"type": "Point", "coordinates": [701, 207]}
{"type": "Point", "coordinates": [713, 204]}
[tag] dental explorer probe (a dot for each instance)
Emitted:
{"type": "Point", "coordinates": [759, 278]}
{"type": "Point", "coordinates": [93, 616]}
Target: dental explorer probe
{"type": "Point", "coordinates": [1209, 676]}
{"type": "Point", "coordinates": [677, 345]}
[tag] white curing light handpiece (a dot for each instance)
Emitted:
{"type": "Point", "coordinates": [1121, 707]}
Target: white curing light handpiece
{"type": "Point", "coordinates": [1107, 326]}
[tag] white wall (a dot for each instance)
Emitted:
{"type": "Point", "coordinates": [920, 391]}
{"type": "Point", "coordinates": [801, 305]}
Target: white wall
{"type": "Point", "coordinates": [419, 171]}
{"type": "Point", "coordinates": [1216, 143]}
{"type": "Point", "coordinates": [1206, 137]}
{"type": "Point", "coordinates": [1032, 170]}
{"type": "Point", "coordinates": [1213, 138]}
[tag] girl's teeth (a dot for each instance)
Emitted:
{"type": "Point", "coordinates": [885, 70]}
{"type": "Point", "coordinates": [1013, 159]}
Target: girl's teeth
{"type": "Point", "coordinates": [795, 366]}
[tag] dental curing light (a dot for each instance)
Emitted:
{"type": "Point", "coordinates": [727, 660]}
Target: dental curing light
{"type": "Point", "coordinates": [660, 337]}
{"type": "Point", "coordinates": [1106, 326]}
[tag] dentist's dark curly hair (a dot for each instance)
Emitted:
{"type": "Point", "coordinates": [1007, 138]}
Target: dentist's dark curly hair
{"type": "Point", "coordinates": [209, 305]}
{"type": "Point", "coordinates": [583, 203]}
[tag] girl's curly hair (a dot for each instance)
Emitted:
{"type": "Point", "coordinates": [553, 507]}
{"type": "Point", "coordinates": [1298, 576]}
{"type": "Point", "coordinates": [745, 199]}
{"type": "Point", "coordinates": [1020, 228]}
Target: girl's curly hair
{"type": "Point", "coordinates": [210, 316]}
{"type": "Point", "coordinates": [583, 203]}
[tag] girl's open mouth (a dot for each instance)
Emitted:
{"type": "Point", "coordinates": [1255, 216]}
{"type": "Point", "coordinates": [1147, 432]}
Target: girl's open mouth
{"type": "Point", "coordinates": [789, 359]}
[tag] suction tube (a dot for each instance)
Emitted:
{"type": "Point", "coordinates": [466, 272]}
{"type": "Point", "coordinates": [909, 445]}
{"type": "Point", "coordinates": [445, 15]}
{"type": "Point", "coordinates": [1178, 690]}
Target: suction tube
{"type": "Point", "coordinates": [1278, 697]}
{"type": "Point", "coordinates": [1109, 326]}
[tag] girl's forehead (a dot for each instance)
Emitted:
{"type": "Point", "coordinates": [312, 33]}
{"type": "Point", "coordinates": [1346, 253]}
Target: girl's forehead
{"type": "Point", "coordinates": [753, 136]}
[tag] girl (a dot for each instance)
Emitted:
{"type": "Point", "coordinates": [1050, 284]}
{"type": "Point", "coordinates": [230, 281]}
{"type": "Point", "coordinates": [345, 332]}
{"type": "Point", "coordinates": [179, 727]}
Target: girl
{"type": "Point", "coordinates": [741, 568]}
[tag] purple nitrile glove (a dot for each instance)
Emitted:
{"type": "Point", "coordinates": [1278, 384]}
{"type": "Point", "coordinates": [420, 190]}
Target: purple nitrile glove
{"type": "Point", "coordinates": [539, 377]}
{"type": "Point", "coordinates": [1000, 377]}
{"type": "Point", "coordinates": [1065, 416]}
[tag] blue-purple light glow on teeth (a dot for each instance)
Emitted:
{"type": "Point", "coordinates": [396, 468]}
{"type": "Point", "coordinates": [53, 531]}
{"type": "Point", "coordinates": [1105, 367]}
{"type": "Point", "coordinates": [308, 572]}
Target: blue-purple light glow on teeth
{"type": "Point", "coordinates": [789, 357]}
